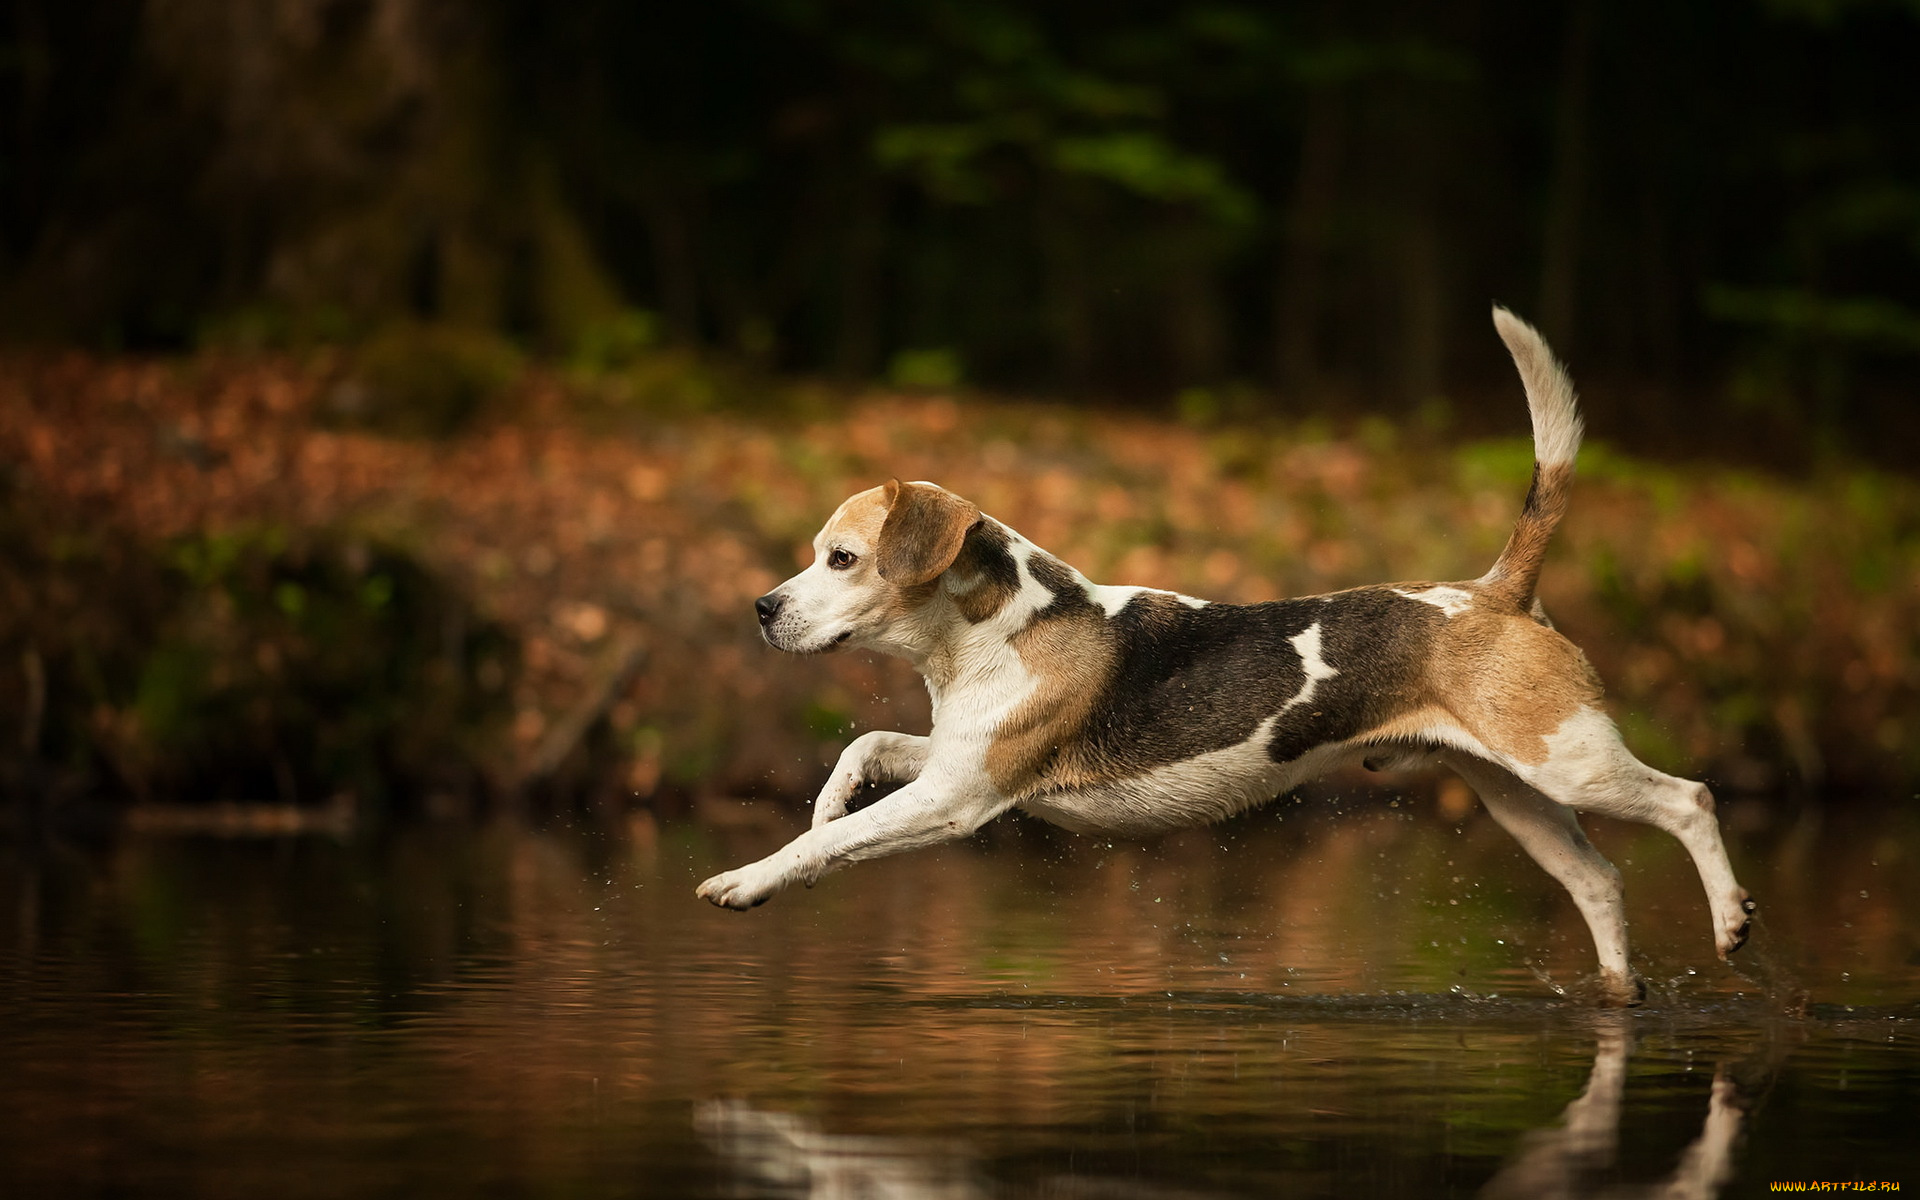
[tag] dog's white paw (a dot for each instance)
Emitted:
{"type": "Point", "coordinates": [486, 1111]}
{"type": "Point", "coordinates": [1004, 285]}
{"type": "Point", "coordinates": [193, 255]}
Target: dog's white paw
{"type": "Point", "coordinates": [741, 889]}
{"type": "Point", "coordinates": [832, 802]}
{"type": "Point", "coordinates": [1622, 991]}
{"type": "Point", "coordinates": [1734, 923]}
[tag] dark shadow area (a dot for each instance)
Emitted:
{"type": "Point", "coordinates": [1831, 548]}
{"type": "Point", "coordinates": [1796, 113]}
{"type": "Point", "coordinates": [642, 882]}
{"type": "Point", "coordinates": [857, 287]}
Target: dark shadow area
{"type": "Point", "coordinates": [1232, 209]}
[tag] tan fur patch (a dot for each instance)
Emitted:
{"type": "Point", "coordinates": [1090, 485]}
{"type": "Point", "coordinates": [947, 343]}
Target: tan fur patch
{"type": "Point", "coordinates": [923, 532]}
{"type": "Point", "coordinates": [858, 520]}
{"type": "Point", "coordinates": [1413, 726]}
{"type": "Point", "coordinates": [1072, 659]}
{"type": "Point", "coordinates": [1509, 681]}
{"type": "Point", "coordinates": [1516, 572]}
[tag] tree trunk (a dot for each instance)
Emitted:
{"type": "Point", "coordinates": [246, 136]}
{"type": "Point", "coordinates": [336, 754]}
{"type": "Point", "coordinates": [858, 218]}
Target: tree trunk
{"type": "Point", "coordinates": [856, 350]}
{"type": "Point", "coordinates": [1196, 324]}
{"type": "Point", "coordinates": [1298, 299]}
{"type": "Point", "coordinates": [1070, 288]}
{"type": "Point", "coordinates": [1560, 258]}
{"type": "Point", "coordinates": [675, 265]}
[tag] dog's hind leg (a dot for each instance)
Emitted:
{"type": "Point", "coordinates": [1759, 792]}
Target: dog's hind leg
{"type": "Point", "coordinates": [1590, 769]}
{"type": "Point", "coordinates": [875, 757]}
{"type": "Point", "coordinates": [1550, 833]}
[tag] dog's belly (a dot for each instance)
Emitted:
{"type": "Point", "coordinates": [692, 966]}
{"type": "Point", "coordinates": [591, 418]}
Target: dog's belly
{"type": "Point", "coordinates": [1138, 807]}
{"type": "Point", "coordinates": [1195, 791]}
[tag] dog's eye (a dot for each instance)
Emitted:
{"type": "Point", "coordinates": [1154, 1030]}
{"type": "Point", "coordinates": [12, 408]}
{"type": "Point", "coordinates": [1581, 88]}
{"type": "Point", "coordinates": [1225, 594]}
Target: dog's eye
{"type": "Point", "coordinates": [839, 558]}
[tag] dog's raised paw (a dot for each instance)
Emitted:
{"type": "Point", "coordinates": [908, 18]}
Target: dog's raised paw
{"type": "Point", "coordinates": [731, 889]}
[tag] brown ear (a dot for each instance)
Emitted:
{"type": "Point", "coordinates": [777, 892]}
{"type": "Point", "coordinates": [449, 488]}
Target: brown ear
{"type": "Point", "coordinates": [923, 532]}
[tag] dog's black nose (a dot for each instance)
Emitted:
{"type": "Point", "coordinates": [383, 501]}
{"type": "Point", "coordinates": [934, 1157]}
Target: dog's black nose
{"type": "Point", "coordinates": [768, 606]}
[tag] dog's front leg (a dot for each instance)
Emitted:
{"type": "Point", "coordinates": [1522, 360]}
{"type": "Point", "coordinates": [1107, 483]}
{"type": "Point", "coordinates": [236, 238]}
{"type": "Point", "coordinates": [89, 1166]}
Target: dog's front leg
{"type": "Point", "coordinates": [876, 757]}
{"type": "Point", "coordinates": [923, 813]}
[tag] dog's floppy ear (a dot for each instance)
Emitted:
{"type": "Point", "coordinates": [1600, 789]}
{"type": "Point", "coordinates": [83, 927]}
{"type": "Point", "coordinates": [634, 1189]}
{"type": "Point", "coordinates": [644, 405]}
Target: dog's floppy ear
{"type": "Point", "coordinates": [923, 532]}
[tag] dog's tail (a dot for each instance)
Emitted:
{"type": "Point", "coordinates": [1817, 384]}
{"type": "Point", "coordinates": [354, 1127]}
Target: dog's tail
{"type": "Point", "coordinates": [1556, 439]}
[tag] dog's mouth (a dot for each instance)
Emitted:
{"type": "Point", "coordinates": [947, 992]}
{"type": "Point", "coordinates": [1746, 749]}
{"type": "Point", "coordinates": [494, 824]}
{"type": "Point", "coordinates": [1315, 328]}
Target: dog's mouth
{"type": "Point", "coordinates": [825, 647]}
{"type": "Point", "coordinates": [828, 647]}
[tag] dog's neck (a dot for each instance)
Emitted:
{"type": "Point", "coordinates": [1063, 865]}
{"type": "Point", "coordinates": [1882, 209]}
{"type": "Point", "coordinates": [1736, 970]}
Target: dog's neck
{"type": "Point", "coordinates": [951, 655]}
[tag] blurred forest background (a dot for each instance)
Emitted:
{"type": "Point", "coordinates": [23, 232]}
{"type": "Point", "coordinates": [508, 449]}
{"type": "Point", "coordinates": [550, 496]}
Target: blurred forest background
{"type": "Point", "coordinates": [403, 400]}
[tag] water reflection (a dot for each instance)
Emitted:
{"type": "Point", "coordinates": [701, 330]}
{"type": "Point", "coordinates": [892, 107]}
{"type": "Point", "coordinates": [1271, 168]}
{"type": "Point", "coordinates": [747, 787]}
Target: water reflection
{"type": "Point", "coordinates": [1367, 1008]}
{"type": "Point", "coordinates": [773, 1155]}
{"type": "Point", "coordinates": [1575, 1157]}
{"type": "Point", "coordinates": [779, 1155]}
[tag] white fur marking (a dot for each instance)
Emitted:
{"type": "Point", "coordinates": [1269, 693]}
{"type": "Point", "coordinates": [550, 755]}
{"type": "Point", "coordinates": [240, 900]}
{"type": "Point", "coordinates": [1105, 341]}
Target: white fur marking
{"type": "Point", "coordinates": [1032, 595]}
{"type": "Point", "coordinates": [1307, 644]}
{"type": "Point", "coordinates": [1112, 598]}
{"type": "Point", "coordinates": [1550, 399]}
{"type": "Point", "coordinates": [1450, 600]}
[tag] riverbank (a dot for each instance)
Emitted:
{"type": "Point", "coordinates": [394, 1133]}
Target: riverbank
{"type": "Point", "coordinates": [224, 581]}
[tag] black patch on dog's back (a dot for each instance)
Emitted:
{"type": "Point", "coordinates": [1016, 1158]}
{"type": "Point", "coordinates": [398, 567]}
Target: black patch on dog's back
{"type": "Point", "coordinates": [1378, 641]}
{"type": "Point", "coordinates": [1193, 680]}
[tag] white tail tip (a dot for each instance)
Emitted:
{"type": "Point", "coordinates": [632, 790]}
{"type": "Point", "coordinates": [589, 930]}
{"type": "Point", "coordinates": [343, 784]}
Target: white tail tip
{"type": "Point", "coordinates": [1550, 397]}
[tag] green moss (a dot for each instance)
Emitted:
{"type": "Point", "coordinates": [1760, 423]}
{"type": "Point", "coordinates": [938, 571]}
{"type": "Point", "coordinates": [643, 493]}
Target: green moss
{"type": "Point", "coordinates": [614, 343]}
{"type": "Point", "coordinates": [253, 665]}
{"type": "Point", "coordinates": [424, 380]}
{"type": "Point", "coordinates": [934, 368]}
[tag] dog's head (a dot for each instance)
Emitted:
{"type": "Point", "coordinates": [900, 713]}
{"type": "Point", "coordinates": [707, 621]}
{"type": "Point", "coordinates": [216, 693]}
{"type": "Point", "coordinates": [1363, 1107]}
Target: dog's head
{"type": "Point", "coordinates": [874, 563]}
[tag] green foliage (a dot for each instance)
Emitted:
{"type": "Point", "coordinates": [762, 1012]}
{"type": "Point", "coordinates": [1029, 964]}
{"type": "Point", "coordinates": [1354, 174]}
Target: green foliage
{"type": "Point", "coordinates": [1867, 322]}
{"type": "Point", "coordinates": [615, 343]}
{"type": "Point", "coordinates": [624, 378]}
{"type": "Point", "coordinates": [1148, 166]}
{"type": "Point", "coordinates": [1502, 463]}
{"type": "Point", "coordinates": [424, 380]}
{"type": "Point", "coordinates": [249, 666]}
{"type": "Point", "coordinates": [253, 328]}
{"type": "Point", "coordinates": [933, 369]}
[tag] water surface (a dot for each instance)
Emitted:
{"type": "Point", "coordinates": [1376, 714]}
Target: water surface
{"type": "Point", "coordinates": [1388, 1004]}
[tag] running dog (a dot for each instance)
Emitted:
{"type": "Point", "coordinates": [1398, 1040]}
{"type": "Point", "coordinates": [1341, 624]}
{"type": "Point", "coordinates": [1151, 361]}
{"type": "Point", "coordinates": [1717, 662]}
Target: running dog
{"type": "Point", "coordinates": [1129, 710]}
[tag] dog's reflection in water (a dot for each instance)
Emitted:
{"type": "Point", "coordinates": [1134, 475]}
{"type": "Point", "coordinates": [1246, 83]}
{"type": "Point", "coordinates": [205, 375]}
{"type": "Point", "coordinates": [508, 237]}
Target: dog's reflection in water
{"type": "Point", "coordinates": [778, 1154]}
{"type": "Point", "coordinates": [1576, 1157]}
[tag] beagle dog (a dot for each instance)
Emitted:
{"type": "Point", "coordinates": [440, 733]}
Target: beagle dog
{"type": "Point", "coordinates": [1129, 710]}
